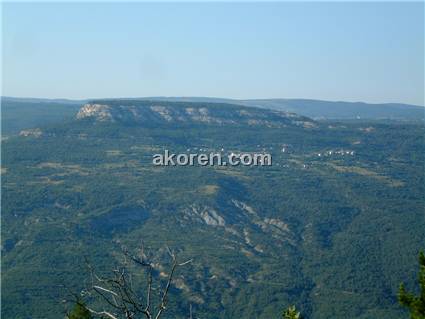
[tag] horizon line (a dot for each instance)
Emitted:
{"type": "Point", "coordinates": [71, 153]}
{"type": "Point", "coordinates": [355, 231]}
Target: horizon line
{"type": "Point", "coordinates": [204, 97]}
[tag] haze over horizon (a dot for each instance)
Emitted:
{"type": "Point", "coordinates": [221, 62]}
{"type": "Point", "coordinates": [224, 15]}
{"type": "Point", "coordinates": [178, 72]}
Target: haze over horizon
{"type": "Point", "coordinates": [368, 52]}
{"type": "Point", "coordinates": [200, 97]}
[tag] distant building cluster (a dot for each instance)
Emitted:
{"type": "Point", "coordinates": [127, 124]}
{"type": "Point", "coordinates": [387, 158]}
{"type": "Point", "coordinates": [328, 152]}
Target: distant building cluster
{"type": "Point", "coordinates": [339, 152]}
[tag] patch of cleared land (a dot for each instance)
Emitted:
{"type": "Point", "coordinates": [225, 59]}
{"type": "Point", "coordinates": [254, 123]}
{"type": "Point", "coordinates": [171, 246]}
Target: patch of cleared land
{"type": "Point", "coordinates": [209, 189]}
{"type": "Point", "coordinates": [366, 172]}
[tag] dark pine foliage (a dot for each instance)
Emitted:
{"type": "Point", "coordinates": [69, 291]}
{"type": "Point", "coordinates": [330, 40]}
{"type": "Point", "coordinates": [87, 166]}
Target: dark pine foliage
{"type": "Point", "coordinates": [415, 304]}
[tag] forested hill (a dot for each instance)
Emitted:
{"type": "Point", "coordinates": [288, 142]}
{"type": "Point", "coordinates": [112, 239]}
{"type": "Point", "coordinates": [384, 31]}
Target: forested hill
{"type": "Point", "coordinates": [188, 113]}
{"type": "Point", "coordinates": [25, 113]}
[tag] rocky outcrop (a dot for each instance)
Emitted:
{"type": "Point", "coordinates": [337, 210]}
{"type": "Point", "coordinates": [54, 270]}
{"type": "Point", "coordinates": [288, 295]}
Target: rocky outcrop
{"type": "Point", "coordinates": [207, 214]}
{"type": "Point", "coordinates": [36, 132]}
{"type": "Point", "coordinates": [100, 112]}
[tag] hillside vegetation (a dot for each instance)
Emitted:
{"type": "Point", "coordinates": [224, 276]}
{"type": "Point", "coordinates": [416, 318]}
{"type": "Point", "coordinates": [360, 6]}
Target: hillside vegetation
{"type": "Point", "coordinates": [333, 226]}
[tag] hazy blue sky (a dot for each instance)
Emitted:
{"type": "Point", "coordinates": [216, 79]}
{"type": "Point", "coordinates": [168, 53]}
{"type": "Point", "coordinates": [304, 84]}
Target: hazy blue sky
{"type": "Point", "coordinates": [370, 52]}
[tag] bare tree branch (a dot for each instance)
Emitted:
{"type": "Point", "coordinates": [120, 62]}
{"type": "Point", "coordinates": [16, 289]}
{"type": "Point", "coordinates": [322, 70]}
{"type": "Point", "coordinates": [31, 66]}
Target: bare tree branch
{"type": "Point", "coordinates": [102, 313]}
{"type": "Point", "coordinates": [117, 290]}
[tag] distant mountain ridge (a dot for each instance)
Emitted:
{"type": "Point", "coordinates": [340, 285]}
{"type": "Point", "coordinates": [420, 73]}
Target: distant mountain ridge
{"type": "Point", "coordinates": [318, 109]}
{"type": "Point", "coordinates": [167, 112]}
{"type": "Point", "coordinates": [24, 113]}
{"type": "Point", "coordinates": [344, 110]}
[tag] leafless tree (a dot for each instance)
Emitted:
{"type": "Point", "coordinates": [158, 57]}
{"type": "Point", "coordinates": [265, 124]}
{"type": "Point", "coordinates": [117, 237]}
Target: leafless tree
{"type": "Point", "coordinates": [119, 294]}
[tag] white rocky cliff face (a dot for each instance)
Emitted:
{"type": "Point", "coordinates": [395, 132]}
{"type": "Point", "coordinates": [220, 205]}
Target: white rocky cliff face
{"type": "Point", "coordinates": [143, 112]}
{"type": "Point", "coordinates": [99, 111]}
